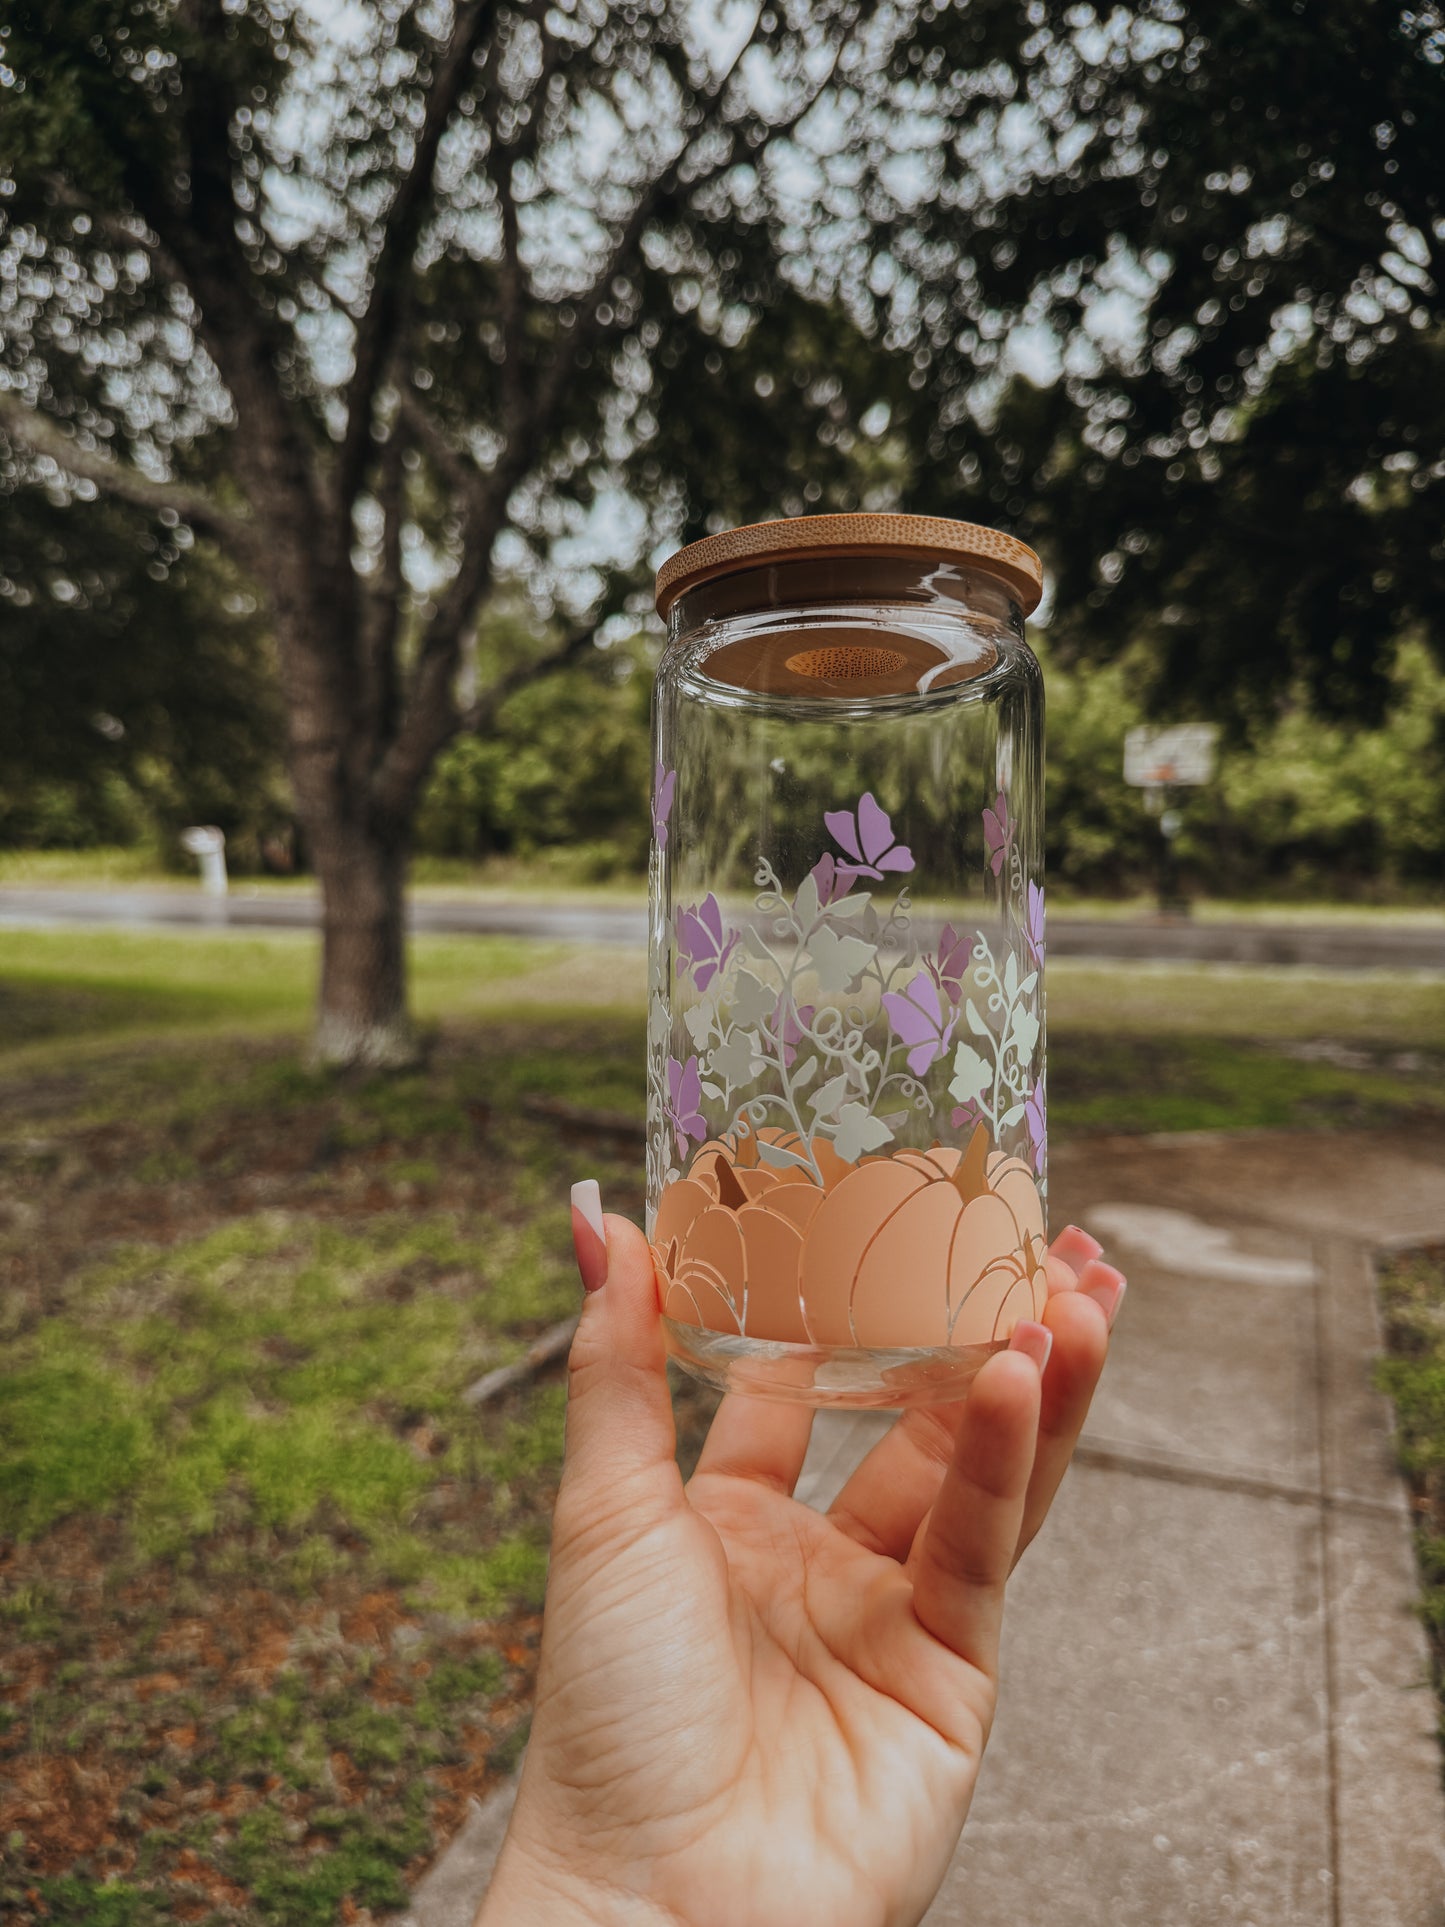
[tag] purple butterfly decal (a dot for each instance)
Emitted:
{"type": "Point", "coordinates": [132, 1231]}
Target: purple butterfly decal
{"type": "Point", "coordinates": [702, 945]}
{"type": "Point", "coordinates": [949, 968]}
{"type": "Point", "coordinates": [832, 883]}
{"type": "Point", "coordinates": [966, 1116]}
{"type": "Point", "coordinates": [664, 782]}
{"type": "Point", "coordinates": [684, 1098]}
{"type": "Point", "coordinates": [1034, 926]}
{"type": "Point", "coordinates": [867, 835]}
{"type": "Point", "coordinates": [997, 830]}
{"type": "Point", "coordinates": [786, 1031]}
{"type": "Point", "coordinates": [917, 1019]}
{"type": "Point", "coordinates": [1036, 1116]}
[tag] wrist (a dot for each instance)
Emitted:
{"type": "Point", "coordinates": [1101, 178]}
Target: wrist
{"type": "Point", "coordinates": [533, 1888]}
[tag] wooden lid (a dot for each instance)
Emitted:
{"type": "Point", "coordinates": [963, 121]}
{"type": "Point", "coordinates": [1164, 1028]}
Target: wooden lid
{"type": "Point", "coordinates": [799, 537]}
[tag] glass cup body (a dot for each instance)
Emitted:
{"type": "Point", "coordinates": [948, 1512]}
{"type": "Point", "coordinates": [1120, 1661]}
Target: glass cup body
{"type": "Point", "coordinates": [846, 1148]}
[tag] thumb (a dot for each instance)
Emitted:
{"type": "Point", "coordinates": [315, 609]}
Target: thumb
{"type": "Point", "coordinates": [620, 1434]}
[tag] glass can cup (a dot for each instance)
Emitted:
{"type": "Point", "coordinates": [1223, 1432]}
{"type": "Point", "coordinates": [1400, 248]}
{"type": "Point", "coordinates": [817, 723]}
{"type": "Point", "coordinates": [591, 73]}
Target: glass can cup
{"type": "Point", "coordinates": [846, 1134]}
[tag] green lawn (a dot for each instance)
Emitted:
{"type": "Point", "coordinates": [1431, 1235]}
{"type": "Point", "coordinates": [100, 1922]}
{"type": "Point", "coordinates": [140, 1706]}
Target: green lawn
{"type": "Point", "coordinates": [269, 1587]}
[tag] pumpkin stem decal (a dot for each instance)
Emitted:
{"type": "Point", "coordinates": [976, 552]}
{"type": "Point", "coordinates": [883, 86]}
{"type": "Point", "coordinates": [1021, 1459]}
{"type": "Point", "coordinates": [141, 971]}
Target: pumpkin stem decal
{"type": "Point", "coordinates": [970, 1180]}
{"type": "Point", "coordinates": [729, 1191]}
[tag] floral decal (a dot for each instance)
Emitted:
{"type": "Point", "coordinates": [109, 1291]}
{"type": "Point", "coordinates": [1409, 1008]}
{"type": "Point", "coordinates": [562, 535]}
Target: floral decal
{"type": "Point", "coordinates": [998, 832]}
{"type": "Point", "coordinates": [664, 785]}
{"type": "Point", "coordinates": [916, 1016]}
{"type": "Point", "coordinates": [949, 968]}
{"type": "Point", "coordinates": [703, 946]}
{"type": "Point", "coordinates": [684, 1097]}
{"type": "Point", "coordinates": [1036, 1116]}
{"type": "Point", "coordinates": [1034, 925]}
{"type": "Point", "coordinates": [822, 1033]}
{"type": "Point", "coordinates": [829, 881]}
{"type": "Point", "coordinates": [866, 833]}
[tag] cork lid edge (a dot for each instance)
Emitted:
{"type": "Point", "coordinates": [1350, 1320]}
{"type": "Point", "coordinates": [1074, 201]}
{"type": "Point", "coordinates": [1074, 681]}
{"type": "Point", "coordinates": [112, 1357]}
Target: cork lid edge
{"type": "Point", "coordinates": [795, 538]}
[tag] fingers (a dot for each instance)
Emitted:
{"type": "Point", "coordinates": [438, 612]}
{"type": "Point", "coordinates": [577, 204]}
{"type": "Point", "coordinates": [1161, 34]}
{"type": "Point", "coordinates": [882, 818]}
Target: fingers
{"type": "Point", "coordinates": [883, 1503]}
{"type": "Point", "coordinates": [967, 1549]}
{"type": "Point", "coordinates": [757, 1438]}
{"type": "Point", "coordinates": [1074, 1248]}
{"type": "Point", "coordinates": [619, 1415]}
{"type": "Point", "coordinates": [1081, 1340]}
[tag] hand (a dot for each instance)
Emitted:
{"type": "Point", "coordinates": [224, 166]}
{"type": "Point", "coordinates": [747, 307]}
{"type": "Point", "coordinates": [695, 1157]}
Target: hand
{"type": "Point", "coordinates": [749, 1712]}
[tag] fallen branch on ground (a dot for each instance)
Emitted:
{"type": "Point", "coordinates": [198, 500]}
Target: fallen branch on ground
{"type": "Point", "coordinates": [574, 1117]}
{"type": "Point", "coordinates": [550, 1346]}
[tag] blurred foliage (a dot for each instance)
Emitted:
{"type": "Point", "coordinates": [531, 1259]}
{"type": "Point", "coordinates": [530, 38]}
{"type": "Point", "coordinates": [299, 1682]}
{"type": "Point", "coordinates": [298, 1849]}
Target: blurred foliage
{"type": "Point", "coordinates": [1304, 804]}
{"type": "Point", "coordinates": [567, 763]}
{"type": "Point", "coordinates": [1156, 287]}
{"type": "Point", "coordinates": [137, 685]}
{"type": "Point", "coordinates": [1219, 225]}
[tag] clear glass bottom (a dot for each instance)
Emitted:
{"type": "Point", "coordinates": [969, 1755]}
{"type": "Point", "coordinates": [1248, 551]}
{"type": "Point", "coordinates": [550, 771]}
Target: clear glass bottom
{"type": "Point", "coordinates": [827, 1375]}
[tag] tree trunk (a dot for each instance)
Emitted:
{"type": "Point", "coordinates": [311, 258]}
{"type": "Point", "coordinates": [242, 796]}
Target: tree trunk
{"type": "Point", "coordinates": [362, 1017]}
{"type": "Point", "coordinates": [358, 850]}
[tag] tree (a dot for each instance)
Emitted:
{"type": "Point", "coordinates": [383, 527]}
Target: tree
{"type": "Point", "coordinates": [1223, 251]}
{"type": "Point", "coordinates": [137, 686]}
{"type": "Point", "coordinates": [387, 318]}
{"type": "Point", "coordinates": [399, 304]}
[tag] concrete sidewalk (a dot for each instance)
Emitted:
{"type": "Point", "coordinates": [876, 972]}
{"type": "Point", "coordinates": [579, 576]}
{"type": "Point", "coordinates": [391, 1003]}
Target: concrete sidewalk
{"type": "Point", "coordinates": [1217, 1705]}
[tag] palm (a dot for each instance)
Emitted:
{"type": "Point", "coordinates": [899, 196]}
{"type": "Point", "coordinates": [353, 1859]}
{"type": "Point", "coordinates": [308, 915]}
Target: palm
{"type": "Point", "coordinates": [832, 1782]}
{"type": "Point", "coordinates": [750, 1711]}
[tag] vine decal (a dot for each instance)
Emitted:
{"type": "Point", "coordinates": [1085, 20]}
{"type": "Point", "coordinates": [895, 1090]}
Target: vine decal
{"type": "Point", "coordinates": [829, 1034]}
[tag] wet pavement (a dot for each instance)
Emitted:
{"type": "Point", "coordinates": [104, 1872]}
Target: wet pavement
{"type": "Point", "coordinates": [1329, 946]}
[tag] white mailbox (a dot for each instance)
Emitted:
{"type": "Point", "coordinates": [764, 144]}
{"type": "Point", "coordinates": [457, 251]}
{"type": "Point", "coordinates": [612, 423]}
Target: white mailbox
{"type": "Point", "coordinates": [208, 844]}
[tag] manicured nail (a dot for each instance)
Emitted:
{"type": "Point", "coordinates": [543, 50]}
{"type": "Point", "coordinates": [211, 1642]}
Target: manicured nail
{"type": "Point", "coordinates": [1034, 1341]}
{"type": "Point", "coordinates": [1075, 1246]}
{"type": "Point", "coordinates": [1105, 1286]}
{"type": "Point", "coordinates": [589, 1235]}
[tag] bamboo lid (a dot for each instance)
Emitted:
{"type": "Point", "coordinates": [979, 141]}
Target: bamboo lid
{"type": "Point", "coordinates": [798, 537]}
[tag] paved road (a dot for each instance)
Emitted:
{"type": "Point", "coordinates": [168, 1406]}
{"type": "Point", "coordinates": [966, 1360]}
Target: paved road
{"type": "Point", "coordinates": [1333, 946]}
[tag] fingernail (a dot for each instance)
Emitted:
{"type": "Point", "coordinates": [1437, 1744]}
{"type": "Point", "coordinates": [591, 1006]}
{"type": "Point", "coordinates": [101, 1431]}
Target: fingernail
{"type": "Point", "coordinates": [1034, 1341]}
{"type": "Point", "coordinates": [1073, 1242]}
{"type": "Point", "coordinates": [1105, 1286]}
{"type": "Point", "coordinates": [589, 1235]}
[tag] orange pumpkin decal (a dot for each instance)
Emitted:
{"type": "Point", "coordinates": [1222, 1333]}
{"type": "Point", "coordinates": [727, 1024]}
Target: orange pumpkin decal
{"type": "Point", "coordinates": [728, 1246]}
{"type": "Point", "coordinates": [926, 1248]}
{"type": "Point", "coordinates": [915, 1249]}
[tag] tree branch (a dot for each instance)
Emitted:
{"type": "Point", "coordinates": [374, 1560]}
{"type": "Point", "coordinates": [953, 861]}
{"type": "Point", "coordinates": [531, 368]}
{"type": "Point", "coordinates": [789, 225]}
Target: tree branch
{"type": "Point", "coordinates": [432, 717]}
{"type": "Point", "coordinates": [666, 184]}
{"type": "Point", "coordinates": [465, 481]}
{"type": "Point", "coordinates": [377, 329]}
{"type": "Point", "coordinates": [38, 434]}
{"type": "Point", "coordinates": [483, 711]}
{"type": "Point", "coordinates": [134, 232]}
{"type": "Point", "coordinates": [513, 280]}
{"type": "Point", "coordinates": [275, 446]}
{"type": "Point", "coordinates": [381, 606]}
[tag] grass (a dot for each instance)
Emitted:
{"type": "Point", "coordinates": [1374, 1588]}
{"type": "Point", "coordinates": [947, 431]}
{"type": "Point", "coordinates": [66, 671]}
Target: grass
{"type": "Point", "coordinates": [1412, 1295]}
{"type": "Point", "coordinates": [269, 1587]}
{"type": "Point", "coordinates": [554, 873]}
